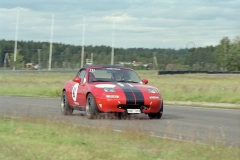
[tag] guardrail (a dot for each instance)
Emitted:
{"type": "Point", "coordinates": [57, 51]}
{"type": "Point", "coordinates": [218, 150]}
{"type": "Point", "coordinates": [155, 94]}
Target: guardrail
{"type": "Point", "coordinates": [159, 72]}
{"type": "Point", "coordinates": [38, 71]}
{"type": "Point", "coordinates": [194, 72]}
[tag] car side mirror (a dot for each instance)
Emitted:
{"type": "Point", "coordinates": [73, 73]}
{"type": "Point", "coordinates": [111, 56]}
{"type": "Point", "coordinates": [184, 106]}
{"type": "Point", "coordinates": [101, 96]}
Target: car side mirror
{"type": "Point", "coordinates": [77, 79]}
{"type": "Point", "coordinates": [145, 81]}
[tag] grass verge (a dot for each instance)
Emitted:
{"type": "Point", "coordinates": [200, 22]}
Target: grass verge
{"type": "Point", "coordinates": [26, 138]}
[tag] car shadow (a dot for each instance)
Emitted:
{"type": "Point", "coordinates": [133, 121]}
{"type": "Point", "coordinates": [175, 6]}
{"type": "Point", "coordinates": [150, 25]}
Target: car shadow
{"type": "Point", "coordinates": [171, 116]}
{"type": "Point", "coordinates": [112, 116]}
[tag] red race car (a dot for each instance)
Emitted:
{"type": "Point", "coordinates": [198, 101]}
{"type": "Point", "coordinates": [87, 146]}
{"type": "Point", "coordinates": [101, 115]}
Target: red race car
{"type": "Point", "coordinates": [114, 89]}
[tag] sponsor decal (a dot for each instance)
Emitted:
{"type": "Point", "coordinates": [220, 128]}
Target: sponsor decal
{"type": "Point", "coordinates": [76, 103]}
{"type": "Point", "coordinates": [113, 68]}
{"type": "Point", "coordinates": [92, 70]}
{"type": "Point", "coordinates": [74, 91]}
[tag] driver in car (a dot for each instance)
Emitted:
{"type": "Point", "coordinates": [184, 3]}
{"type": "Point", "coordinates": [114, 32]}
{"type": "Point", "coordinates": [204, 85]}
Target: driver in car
{"type": "Point", "coordinates": [117, 77]}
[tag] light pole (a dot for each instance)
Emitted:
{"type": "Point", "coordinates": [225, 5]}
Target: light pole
{"type": "Point", "coordinates": [112, 54]}
{"type": "Point", "coordinates": [39, 57]}
{"type": "Point", "coordinates": [6, 59]}
{"type": "Point", "coordinates": [15, 47]}
{"type": "Point", "coordinates": [82, 55]}
{"type": "Point", "coordinates": [50, 52]}
{"type": "Point", "coordinates": [155, 61]}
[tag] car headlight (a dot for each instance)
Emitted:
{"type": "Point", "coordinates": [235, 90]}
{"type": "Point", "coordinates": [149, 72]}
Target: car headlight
{"type": "Point", "coordinates": [109, 89]}
{"type": "Point", "coordinates": [152, 90]}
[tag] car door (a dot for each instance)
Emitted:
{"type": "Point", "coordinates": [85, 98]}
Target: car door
{"type": "Point", "coordinates": [79, 88]}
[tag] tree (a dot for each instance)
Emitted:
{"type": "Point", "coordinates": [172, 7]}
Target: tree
{"type": "Point", "coordinates": [233, 57]}
{"type": "Point", "coordinates": [221, 53]}
{"type": "Point", "coordinates": [19, 61]}
{"type": "Point", "coordinates": [1, 56]}
{"type": "Point", "coordinates": [224, 56]}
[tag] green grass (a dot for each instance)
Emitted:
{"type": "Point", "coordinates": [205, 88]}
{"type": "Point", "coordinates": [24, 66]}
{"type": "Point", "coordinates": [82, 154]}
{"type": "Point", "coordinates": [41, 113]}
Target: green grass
{"type": "Point", "coordinates": [33, 84]}
{"type": "Point", "coordinates": [185, 87]}
{"type": "Point", "coordinates": [197, 87]}
{"type": "Point", "coordinates": [26, 138]}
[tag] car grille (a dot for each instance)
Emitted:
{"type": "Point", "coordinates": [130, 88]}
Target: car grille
{"type": "Point", "coordinates": [133, 107]}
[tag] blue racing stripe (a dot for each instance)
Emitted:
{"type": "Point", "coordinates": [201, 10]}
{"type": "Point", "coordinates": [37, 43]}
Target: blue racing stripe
{"type": "Point", "coordinates": [133, 94]}
{"type": "Point", "coordinates": [138, 94]}
{"type": "Point", "coordinates": [130, 98]}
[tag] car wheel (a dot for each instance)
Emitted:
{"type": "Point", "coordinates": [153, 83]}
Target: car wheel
{"type": "Point", "coordinates": [91, 107]}
{"type": "Point", "coordinates": [65, 107]}
{"type": "Point", "coordinates": [157, 115]}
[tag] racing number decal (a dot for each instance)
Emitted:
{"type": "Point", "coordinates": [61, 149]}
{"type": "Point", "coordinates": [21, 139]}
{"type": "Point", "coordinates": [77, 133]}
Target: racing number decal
{"type": "Point", "coordinates": [92, 70]}
{"type": "Point", "coordinates": [74, 91]}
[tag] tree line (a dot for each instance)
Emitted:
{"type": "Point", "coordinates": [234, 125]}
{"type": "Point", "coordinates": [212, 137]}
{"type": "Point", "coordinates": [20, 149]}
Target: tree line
{"type": "Point", "coordinates": [223, 57]}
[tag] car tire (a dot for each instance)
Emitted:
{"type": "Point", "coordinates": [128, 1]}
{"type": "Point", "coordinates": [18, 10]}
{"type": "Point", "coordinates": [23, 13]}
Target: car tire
{"type": "Point", "coordinates": [65, 107]}
{"type": "Point", "coordinates": [91, 107]}
{"type": "Point", "coordinates": [157, 115]}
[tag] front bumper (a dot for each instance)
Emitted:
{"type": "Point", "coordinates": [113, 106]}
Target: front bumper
{"type": "Point", "coordinates": [119, 105]}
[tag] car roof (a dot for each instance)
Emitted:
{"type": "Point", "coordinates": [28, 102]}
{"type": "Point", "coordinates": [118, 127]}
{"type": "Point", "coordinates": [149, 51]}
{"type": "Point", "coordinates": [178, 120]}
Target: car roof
{"type": "Point", "coordinates": [105, 66]}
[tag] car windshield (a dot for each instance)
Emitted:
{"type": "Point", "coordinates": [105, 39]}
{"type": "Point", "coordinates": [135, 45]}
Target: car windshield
{"type": "Point", "coordinates": [113, 74]}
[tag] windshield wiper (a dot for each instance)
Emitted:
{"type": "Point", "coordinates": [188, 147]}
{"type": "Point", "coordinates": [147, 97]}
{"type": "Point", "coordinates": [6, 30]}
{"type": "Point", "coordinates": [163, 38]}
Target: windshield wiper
{"type": "Point", "coordinates": [122, 81]}
{"type": "Point", "coordinates": [128, 81]}
{"type": "Point", "coordinates": [133, 82]}
{"type": "Point", "coordinates": [101, 81]}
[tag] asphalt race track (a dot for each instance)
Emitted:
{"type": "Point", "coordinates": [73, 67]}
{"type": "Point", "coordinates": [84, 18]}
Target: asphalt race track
{"type": "Point", "coordinates": [194, 124]}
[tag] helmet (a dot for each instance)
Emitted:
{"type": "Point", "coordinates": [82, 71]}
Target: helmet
{"type": "Point", "coordinates": [91, 77]}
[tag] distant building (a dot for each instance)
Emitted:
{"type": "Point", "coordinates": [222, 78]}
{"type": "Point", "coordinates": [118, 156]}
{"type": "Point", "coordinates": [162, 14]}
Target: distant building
{"type": "Point", "coordinates": [134, 63]}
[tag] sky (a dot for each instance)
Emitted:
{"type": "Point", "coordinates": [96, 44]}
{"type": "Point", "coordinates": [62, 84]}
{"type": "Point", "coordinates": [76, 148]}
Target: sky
{"type": "Point", "coordinates": [121, 23]}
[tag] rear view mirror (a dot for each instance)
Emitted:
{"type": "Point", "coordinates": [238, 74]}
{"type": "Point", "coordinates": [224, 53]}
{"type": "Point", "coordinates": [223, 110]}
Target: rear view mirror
{"type": "Point", "coordinates": [77, 79]}
{"type": "Point", "coordinates": [145, 81]}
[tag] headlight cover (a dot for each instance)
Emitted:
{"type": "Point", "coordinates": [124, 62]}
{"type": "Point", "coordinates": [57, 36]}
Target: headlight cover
{"type": "Point", "coordinates": [152, 90]}
{"type": "Point", "coordinates": [109, 89]}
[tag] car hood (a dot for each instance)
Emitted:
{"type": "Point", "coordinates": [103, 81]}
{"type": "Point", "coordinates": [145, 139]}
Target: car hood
{"type": "Point", "coordinates": [121, 85]}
